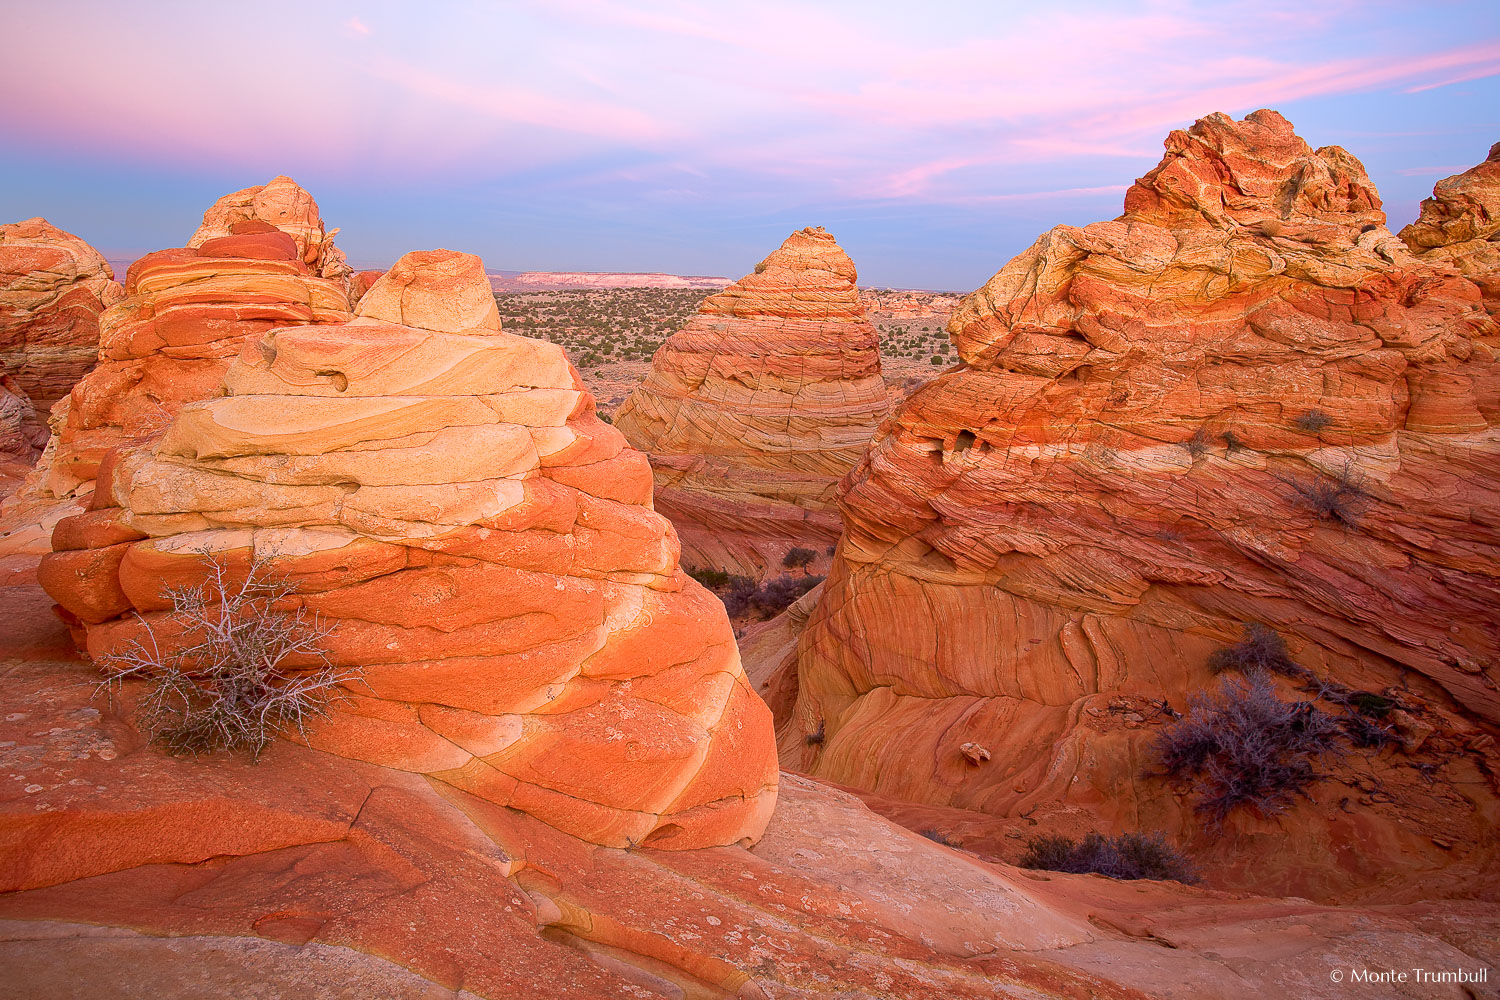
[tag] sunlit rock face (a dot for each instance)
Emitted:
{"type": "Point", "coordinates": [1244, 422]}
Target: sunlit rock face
{"type": "Point", "coordinates": [444, 495]}
{"type": "Point", "coordinates": [1243, 400]}
{"type": "Point", "coordinates": [168, 341]}
{"type": "Point", "coordinates": [1460, 226]}
{"type": "Point", "coordinates": [283, 206]}
{"type": "Point", "coordinates": [53, 286]}
{"type": "Point", "coordinates": [185, 315]}
{"type": "Point", "coordinates": [755, 408]}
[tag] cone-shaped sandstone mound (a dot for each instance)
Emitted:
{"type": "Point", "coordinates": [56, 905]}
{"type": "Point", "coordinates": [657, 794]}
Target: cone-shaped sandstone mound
{"type": "Point", "coordinates": [53, 286]}
{"type": "Point", "coordinates": [1460, 224]}
{"type": "Point", "coordinates": [485, 547]}
{"type": "Point", "coordinates": [284, 206]}
{"type": "Point", "coordinates": [1244, 400]}
{"type": "Point", "coordinates": [755, 408]}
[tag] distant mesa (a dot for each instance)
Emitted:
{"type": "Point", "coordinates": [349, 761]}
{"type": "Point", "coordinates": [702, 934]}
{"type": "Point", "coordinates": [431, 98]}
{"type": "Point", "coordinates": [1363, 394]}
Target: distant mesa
{"type": "Point", "coordinates": [483, 545]}
{"type": "Point", "coordinates": [755, 409]}
{"type": "Point", "coordinates": [539, 281]}
{"type": "Point", "coordinates": [1242, 401]}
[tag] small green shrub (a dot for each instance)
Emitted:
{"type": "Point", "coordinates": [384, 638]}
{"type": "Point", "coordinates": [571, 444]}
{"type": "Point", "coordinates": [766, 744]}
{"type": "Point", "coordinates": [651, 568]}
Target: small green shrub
{"type": "Point", "coordinates": [798, 558]}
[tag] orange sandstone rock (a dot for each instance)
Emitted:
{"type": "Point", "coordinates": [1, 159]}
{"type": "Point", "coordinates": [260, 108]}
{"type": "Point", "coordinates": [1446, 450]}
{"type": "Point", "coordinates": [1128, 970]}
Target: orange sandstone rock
{"type": "Point", "coordinates": [1460, 225]}
{"type": "Point", "coordinates": [758, 405]}
{"type": "Point", "coordinates": [359, 283]}
{"type": "Point", "coordinates": [126, 872]}
{"type": "Point", "coordinates": [169, 341]}
{"type": "Point", "coordinates": [1127, 466]}
{"type": "Point", "coordinates": [444, 495]}
{"type": "Point", "coordinates": [53, 286]}
{"type": "Point", "coordinates": [281, 205]}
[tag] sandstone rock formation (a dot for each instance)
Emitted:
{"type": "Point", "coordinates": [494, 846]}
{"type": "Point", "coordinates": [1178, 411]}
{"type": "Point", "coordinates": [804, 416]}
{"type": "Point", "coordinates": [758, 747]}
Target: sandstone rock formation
{"type": "Point", "coordinates": [53, 286]}
{"type": "Point", "coordinates": [185, 315]}
{"type": "Point", "coordinates": [1241, 401]}
{"type": "Point", "coordinates": [758, 405]}
{"type": "Point", "coordinates": [22, 435]}
{"type": "Point", "coordinates": [282, 205]}
{"type": "Point", "coordinates": [1460, 225]}
{"type": "Point", "coordinates": [169, 341]}
{"type": "Point", "coordinates": [484, 547]}
{"type": "Point", "coordinates": [359, 284]}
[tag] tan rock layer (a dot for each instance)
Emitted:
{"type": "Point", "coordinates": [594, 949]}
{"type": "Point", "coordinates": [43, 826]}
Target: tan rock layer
{"type": "Point", "coordinates": [1119, 476]}
{"type": "Point", "coordinates": [755, 409]}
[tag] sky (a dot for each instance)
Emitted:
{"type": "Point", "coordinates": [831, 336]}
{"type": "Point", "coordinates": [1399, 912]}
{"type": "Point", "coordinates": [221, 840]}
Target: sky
{"type": "Point", "coordinates": [934, 139]}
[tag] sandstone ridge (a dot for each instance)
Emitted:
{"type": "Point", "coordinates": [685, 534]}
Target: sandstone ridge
{"type": "Point", "coordinates": [1243, 400]}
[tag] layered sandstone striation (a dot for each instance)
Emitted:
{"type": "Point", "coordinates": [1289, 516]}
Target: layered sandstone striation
{"type": "Point", "coordinates": [53, 286]}
{"type": "Point", "coordinates": [279, 206]}
{"type": "Point", "coordinates": [185, 315]}
{"type": "Point", "coordinates": [168, 342]}
{"type": "Point", "coordinates": [1460, 225]}
{"type": "Point", "coordinates": [444, 496]}
{"type": "Point", "coordinates": [1243, 400]}
{"type": "Point", "coordinates": [758, 405]}
{"type": "Point", "coordinates": [22, 435]}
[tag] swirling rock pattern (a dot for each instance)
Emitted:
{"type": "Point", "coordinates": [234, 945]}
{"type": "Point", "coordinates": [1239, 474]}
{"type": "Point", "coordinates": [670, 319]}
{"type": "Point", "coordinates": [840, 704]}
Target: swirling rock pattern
{"type": "Point", "coordinates": [284, 206]}
{"type": "Point", "coordinates": [758, 405]}
{"type": "Point", "coordinates": [1118, 476]}
{"type": "Point", "coordinates": [445, 496]}
{"type": "Point", "coordinates": [53, 286]}
{"type": "Point", "coordinates": [186, 313]}
{"type": "Point", "coordinates": [169, 341]}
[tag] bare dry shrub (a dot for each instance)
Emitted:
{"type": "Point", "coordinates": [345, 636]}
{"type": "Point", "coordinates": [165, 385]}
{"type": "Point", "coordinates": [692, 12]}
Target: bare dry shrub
{"type": "Point", "coordinates": [1123, 856]}
{"type": "Point", "coordinates": [1241, 745]}
{"type": "Point", "coordinates": [224, 681]}
{"type": "Point", "coordinates": [1261, 648]}
{"type": "Point", "coordinates": [1338, 497]}
{"type": "Point", "coordinates": [1313, 421]}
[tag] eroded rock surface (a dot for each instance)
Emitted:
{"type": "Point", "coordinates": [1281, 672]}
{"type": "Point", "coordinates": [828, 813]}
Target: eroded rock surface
{"type": "Point", "coordinates": [1244, 400]}
{"type": "Point", "coordinates": [283, 206]}
{"type": "Point", "coordinates": [53, 286]}
{"type": "Point", "coordinates": [184, 317]}
{"type": "Point", "coordinates": [758, 405]}
{"type": "Point", "coordinates": [1460, 225]}
{"type": "Point", "coordinates": [130, 873]}
{"type": "Point", "coordinates": [484, 546]}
